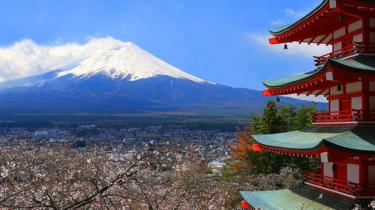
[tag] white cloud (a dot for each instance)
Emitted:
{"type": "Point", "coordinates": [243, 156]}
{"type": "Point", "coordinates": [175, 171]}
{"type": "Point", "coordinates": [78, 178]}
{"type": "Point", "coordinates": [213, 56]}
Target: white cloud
{"type": "Point", "coordinates": [294, 48]}
{"type": "Point", "coordinates": [277, 22]}
{"type": "Point", "coordinates": [27, 58]}
{"type": "Point", "coordinates": [294, 14]}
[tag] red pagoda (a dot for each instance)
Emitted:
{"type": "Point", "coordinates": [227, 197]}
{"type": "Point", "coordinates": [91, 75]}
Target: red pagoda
{"type": "Point", "coordinates": [343, 137]}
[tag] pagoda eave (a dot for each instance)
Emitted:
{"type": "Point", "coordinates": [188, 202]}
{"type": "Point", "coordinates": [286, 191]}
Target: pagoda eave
{"type": "Point", "coordinates": [318, 82]}
{"type": "Point", "coordinates": [293, 152]}
{"type": "Point", "coordinates": [353, 140]}
{"type": "Point", "coordinates": [297, 198]}
{"type": "Point", "coordinates": [318, 26]}
{"type": "Point", "coordinates": [317, 85]}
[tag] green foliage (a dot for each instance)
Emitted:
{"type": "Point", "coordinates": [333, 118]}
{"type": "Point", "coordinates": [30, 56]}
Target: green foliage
{"type": "Point", "coordinates": [280, 119]}
{"type": "Point", "coordinates": [303, 117]}
{"type": "Point", "coordinates": [288, 115]}
{"type": "Point", "coordinates": [269, 122]}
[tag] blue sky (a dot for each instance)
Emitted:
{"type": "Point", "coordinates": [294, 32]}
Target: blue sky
{"type": "Point", "coordinates": [223, 41]}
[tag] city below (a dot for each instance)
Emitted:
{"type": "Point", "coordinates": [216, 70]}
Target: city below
{"type": "Point", "coordinates": [211, 145]}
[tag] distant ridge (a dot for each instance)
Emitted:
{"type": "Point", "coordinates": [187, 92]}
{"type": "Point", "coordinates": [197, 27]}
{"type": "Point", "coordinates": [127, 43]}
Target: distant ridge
{"type": "Point", "coordinates": [125, 78]}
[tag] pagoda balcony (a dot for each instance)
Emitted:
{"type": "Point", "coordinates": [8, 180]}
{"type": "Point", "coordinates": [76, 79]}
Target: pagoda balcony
{"type": "Point", "coordinates": [339, 117]}
{"type": "Point", "coordinates": [335, 185]}
{"type": "Point", "coordinates": [357, 47]}
{"type": "Point", "coordinates": [338, 186]}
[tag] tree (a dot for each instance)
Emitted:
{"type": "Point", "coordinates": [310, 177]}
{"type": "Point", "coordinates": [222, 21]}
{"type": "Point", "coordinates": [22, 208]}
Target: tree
{"type": "Point", "coordinates": [273, 120]}
{"type": "Point", "coordinates": [283, 118]}
{"type": "Point", "coordinates": [288, 115]}
{"type": "Point", "coordinates": [247, 161]}
{"type": "Point", "coordinates": [55, 176]}
{"type": "Point", "coordinates": [303, 117]}
{"type": "Point", "coordinates": [270, 122]}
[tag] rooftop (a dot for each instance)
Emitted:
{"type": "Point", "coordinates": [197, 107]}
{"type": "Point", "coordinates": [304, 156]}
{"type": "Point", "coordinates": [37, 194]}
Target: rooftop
{"type": "Point", "coordinates": [299, 198]}
{"type": "Point", "coordinates": [285, 28]}
{"type": "Point", "coordinates": [359, 138]}
{"type": "Point", "coordinates": [359, 63]}
{"type": "Point", "coordinates": [318, 25]}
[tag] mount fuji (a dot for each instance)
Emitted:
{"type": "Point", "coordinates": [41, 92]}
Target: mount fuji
{"type": "Point", "coordinates": [124, 78]}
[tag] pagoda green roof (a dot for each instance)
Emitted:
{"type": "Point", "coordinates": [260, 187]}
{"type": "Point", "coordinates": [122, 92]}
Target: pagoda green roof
{"type": "Point", "coordinates": [362, 63]}
{"type": "Point", "coordinates": [279, 29]}
{"type": "Point", "coordinates": [359, 63]}
{"type": "Point", "coordinates": [299, 198]}
{"type": "Point", "coordinates": [291, 79]}
{"type": "Point", "coordinates": [359, 138]}
{"type": "Point", "coordinates": [289, 26]}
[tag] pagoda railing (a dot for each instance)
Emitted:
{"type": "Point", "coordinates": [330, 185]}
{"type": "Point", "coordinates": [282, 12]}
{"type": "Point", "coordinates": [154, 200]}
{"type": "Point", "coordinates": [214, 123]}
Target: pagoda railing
{"type": "Point", "coordinates": [357, 47]}
{"type": "Point", "coordinates": [339, 116]}
{"type": "Point", "coordinates": [367, 189]}
{"type": "Point", "coordinates": [336, 184]}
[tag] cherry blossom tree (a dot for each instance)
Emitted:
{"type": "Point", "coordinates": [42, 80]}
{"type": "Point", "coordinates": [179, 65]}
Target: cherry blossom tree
{"type": "Point", "coordinates": [55, 176]}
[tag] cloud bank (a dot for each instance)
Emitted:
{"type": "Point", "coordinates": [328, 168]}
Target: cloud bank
{"type": "Point", "coordinates": [294, 48]}
{"type": "Point", "coordinates": [27, 58]}
{"type": "Point", "coordinates": [294, 14]}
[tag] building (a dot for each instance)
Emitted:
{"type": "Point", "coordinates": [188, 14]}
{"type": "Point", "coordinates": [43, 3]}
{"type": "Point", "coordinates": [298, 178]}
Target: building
{"type": "Point", "coordinates": [343, 137]}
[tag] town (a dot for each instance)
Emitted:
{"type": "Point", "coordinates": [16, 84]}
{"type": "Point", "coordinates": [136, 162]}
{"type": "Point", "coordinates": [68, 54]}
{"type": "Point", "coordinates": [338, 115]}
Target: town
{"type": "Point", "coordinates": [103, 164]}
{"type": "Point", "coordinates": [211, 145]}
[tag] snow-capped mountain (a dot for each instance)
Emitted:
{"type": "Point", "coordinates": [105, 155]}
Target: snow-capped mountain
{"type": "Point", "coordinates": [127, 61]}
{"type": "Point", "coordinates": [124, 78]}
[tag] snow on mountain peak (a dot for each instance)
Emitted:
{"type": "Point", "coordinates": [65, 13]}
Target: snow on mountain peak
{"type": "Point", "coordinates": [125, 60]}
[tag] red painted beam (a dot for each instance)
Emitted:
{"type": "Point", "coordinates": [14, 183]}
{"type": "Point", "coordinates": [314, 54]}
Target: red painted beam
{"type": "Point", "coordinates": [257, 147]}
{"type": "Point", "coordinates": [245, 205]}
{"type": "Point", "coordinates": [356, 9]}
{"type": "Point", "coordinates": [267, 92]}
{"type": "Point", "coordinates": [312, 39]}
{"type": "Point", "coordinates": [320, 92]}
{"type": "Point", "coordinates": [309, 93]}
{"type": "Point", "coordinates": [291, 152]}
{"type": "Point", "coordinates": [274, 40]}
{"type": "Point", "coordinates": [324, 37]}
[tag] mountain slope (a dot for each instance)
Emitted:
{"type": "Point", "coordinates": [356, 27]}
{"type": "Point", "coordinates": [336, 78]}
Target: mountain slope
{"type": "Point", "coordinates": [125, 79]}
{"type": "Point", "coordinates": [127, 61]}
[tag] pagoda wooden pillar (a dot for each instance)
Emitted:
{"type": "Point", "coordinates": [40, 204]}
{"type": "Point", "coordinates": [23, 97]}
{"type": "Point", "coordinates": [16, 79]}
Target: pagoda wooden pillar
{"type": "Point", "coordinates": [365, 100]}
{"type": "Point", "coordinates": [366, 30]}
{"type": "Point", "coordinates": [363, 174]}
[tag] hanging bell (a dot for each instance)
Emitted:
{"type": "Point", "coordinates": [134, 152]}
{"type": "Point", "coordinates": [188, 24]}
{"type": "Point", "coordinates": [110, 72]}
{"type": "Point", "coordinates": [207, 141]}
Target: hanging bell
{"type": "Point", "coordinates": [285, 46]}
{"type": "Point", "coordinates": [339, 87]}
{"type": "Point", "coordinates": [341, 17]}
{"type": "Point", "coordinates": [277, 99]}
